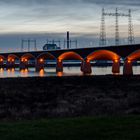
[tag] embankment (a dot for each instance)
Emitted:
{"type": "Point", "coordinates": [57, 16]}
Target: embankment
{"type": "Point", "coordinates": [27, 98]}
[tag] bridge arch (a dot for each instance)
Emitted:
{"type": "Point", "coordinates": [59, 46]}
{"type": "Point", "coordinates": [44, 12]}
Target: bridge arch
{"type": "Point", "coordinates": [102, 55]}
{"type": "Point", "coordinates": [67, 56]}
{"type": "Point", "coordinates": [12, 57]}
{"type": "Point", "coordinates": [128, 68]}
{"type": "Point", "coordinates": [40, 61]}
{"type": "Point", "coordinates": [46, 55]}
{"type": "Point", "coordinates": [70, 56]}
{"type": "Point", "coordinates": [27, 56]}
{"type": "Point", "coordinates": [25, 61]}
{"type": "Point", "coordinates": [2, 58]}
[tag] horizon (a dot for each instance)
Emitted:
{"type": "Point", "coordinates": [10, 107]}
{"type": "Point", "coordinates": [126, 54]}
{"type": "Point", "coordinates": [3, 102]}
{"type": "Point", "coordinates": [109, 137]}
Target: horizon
{"type": "Point", "coordinates": [50, 19]}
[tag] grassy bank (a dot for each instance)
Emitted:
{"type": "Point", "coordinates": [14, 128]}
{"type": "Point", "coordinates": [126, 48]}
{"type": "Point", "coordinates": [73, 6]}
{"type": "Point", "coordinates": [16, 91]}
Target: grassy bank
{"type": "Point", "coordinates": [48, 97]}
{"type": "Point", "coordinates": [86, 128]}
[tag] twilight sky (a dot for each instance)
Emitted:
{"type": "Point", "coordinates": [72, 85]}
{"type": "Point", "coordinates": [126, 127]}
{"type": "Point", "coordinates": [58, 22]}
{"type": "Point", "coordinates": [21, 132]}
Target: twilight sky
{"type": "Point", "coordinates": [50, 19]}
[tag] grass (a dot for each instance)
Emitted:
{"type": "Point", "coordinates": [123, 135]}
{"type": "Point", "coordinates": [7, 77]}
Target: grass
{"type": "Point", "coordinates": [82, 128]}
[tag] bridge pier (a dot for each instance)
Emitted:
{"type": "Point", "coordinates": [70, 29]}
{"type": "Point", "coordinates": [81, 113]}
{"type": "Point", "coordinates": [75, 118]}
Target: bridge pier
{"type": "Point", "coordinates": [23, 66]}
{"type": "Point", "coordinates": [39, 65]}
{"type": "Point", "coordinates": [1, 63]}
{"type": "Point", "coordinates": [127, 69]}
{"type": "Point", "coordinates": [116, 66]}
{"type": "Point", "coordinates": [86, 67]}
{"type": "Point", "coordinates": [59, 66]}
{"type": "Point", "coordinates": [10, 64]}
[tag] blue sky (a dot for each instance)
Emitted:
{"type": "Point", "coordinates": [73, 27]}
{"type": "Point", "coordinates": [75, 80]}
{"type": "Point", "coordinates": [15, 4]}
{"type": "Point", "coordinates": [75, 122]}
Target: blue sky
{"type": "Point", "coordinates": [42, 19]}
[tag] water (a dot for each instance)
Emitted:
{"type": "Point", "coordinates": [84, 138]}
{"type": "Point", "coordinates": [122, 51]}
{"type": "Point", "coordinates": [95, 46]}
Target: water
{"type": "Point", "coordinates": [68, 71]}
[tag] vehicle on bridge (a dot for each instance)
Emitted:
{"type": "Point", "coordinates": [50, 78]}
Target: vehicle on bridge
{"type": "Point", "coordinates": [50, 47]}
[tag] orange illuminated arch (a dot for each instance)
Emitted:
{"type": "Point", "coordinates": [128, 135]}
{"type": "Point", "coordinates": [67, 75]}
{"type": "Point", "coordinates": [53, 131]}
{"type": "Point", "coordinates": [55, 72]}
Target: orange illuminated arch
{"type": "Point", "coordinates": [134, 56]}
{"type": "Point", "coordinates": [103, 55]}
{"type": "Point", "coordinates": [27, 56]}
{"type": "Point", "coordinates": [2, 57]}
{"type": "Point", "coordinates": [46, 55]}
{"type": "Point", "coordinates": [12, 57]}
{"type": "Point", "coordinates": [70, 56]}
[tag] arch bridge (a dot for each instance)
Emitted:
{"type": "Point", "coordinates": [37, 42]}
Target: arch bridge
{"type": "Point", "coordinates": [127, 53]}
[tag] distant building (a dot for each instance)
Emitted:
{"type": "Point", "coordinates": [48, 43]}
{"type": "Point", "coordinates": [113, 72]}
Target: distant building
{"type": "Point", "coordinates": [50, 47]}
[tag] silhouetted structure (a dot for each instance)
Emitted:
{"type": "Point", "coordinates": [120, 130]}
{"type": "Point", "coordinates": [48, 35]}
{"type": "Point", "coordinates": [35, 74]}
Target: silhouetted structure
{"type": "Point", "coordinates": [131, 39]}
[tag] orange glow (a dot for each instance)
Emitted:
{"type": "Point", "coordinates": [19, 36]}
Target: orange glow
{"type": "Point", "coordinates": [1, 69]}
{"type": "Point", "coordinates": [134, 56]}
{"type": "Point", "coordinates": [88, 60]}
{"type": "Point", "coordinates": [70, 56]}
{"type": "Point", "coordinates": [129, 61]}
{"type": "Point", "coordinates": [59, 60]}
{"type": "Point", "coordinates": [13, 60]}
{"type": "Point", "coordinates": [24, 60]}
{"type": "Point", "coordinates": [41, 60]}
{"type": "Point", "coordinates": [103, 55]}
{"type": "Point", "coordinates": [59, 74]}
{"type": "Point", "coordinates": [8, 70]}
{"type": "Point", "coordinates": [9, 60]}
{"type": "Point", "coordinates": [26, 70]}
{"type": "Point", "coordinates": [41, 72]}
{"type": "Point", "coordinates": [116, 61]}
{"type": "Point", "coordinates": [13, 70]}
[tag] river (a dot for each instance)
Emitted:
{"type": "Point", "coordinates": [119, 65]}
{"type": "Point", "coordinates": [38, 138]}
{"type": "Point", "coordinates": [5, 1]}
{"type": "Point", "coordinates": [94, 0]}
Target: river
{"type": "Point", "coordinates": [68, 71]}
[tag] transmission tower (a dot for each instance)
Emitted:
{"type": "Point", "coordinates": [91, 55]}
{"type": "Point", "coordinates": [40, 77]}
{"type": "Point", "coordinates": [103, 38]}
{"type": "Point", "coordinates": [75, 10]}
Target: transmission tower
{"type": "Point", "coordinates": [131, 39]}
{"type": "Point", "coordinates": [102, 33]}
{"type": "Point", "coordinates": [117, 39]}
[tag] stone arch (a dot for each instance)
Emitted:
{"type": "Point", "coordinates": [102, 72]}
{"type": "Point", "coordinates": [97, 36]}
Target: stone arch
{"type": "Point", "coordinates": [67, 56]}
{"type": "Point", "coordinates": [46, 55]}
{"type": "Point", "coordinates": [134, 56]}
{"type": "Point", "coordinates": [12, 57]}
{"type": "Point", "coordinates": [70, 56]}
{"type": "Point", "coordinates": [11, 61]}
{"type": "Point", "coordinates": [102, 55]}
{"type": "Point", "coordinates": [40, 61]}
{"type": "Point", "coordinates": [27, 56]}
{"type": "Point", "coordinates": [25, 61]}
{"type": "Point", "coordinates": [2, 58]}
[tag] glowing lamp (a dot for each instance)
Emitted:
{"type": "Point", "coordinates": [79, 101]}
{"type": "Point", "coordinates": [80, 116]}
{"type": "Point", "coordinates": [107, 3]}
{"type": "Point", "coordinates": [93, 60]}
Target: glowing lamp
{"type": "Point", "coordinates": [59, 60]}
{"type": "Point", "coordinates": [1, 60]}
{"type": "Point", "coordinates": [129, 61]}
{"type": "Point", "coordinates": [116, 61]}
{"type": "Point", "coordinates": [88, 60]}
{"type": "Point", "coordinates": [41, 60]}
{"type": "Point", "coordinates": [12, 60]}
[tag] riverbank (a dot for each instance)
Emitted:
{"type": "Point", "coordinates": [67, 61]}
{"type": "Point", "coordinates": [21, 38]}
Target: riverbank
{"type": "Point", "coordinates": [83, 128]}
{"type": "Point", "coordinates": [36, 97]}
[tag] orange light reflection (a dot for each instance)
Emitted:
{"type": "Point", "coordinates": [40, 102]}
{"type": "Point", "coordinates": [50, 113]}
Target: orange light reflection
{"type": "Point", "coordinates": [41, 73]}
{"type": "Point", "coordinates": [59, 74]}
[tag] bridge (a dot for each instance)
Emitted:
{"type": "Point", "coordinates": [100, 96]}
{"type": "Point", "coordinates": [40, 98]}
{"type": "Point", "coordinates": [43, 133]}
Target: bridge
{"type": "Point", "coordinates": [128, 53]}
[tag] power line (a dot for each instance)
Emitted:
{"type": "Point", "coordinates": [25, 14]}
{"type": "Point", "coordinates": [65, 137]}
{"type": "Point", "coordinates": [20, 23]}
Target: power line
{"type": "Point", "coordinates": [131, 39]}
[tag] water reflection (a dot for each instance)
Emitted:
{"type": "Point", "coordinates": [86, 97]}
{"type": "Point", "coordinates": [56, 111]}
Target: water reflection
{"type": "Point", "coordinates": [68, 71]}
{"type": "Point", "coordinates": [24, 73]}
{"type": "Point", "coordinates": [42, 73]}
{"type": "Point", "coordinates": [60, 74]}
